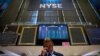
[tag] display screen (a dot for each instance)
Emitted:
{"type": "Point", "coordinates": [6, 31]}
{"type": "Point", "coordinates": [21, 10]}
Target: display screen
{"type": "Point", "coordinates": [53, 31]}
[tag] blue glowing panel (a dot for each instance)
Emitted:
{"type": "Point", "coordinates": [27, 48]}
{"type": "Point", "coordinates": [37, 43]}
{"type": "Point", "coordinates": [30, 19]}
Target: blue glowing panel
{"type": "Point", "coordinates": [53, 32]}
{"type": "Point", "coordinates": [50, 1]}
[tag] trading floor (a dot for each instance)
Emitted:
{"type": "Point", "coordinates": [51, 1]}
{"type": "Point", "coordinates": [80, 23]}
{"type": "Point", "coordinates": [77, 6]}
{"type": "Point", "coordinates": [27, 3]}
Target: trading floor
{"type": "Point", "coordinates": [70, 24]}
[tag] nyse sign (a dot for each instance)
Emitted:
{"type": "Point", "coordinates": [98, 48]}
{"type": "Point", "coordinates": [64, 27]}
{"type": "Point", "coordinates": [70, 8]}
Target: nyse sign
{"type": "Point", "coordinates": [50, 5]}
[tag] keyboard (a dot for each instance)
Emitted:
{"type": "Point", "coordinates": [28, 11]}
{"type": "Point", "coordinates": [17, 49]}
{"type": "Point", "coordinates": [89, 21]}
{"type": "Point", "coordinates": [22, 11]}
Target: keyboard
{"type": "Point", "coordinates": [8, 38]}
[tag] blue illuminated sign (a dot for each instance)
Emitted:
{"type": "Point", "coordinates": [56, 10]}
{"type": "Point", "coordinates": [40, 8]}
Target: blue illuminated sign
{"type": "Point", "coordinates": [50, 4]}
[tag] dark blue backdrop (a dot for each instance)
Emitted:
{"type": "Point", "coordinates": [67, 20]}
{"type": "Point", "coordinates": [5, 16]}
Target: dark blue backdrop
{"type": "Point", "coordinates": [4, 5]}
{"type": "Point", "coordinates": [96, 3]}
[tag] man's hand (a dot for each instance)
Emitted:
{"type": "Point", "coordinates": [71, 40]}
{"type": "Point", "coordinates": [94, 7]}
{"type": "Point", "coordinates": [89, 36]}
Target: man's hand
{"type": "Point", "coordinates": [43, 51]}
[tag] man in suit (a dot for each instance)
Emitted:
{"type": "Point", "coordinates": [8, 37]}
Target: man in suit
{"type": "Point", "coordinates": [48, 49]}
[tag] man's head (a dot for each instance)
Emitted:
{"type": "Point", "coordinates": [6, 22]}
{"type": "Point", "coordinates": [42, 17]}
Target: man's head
{"type": "Point", "coordinates": [48, 44]}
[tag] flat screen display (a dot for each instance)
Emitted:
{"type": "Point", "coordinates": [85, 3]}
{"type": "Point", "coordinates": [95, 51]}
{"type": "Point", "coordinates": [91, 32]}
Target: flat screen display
{"type": "Point", "coordinates": [53, 31]}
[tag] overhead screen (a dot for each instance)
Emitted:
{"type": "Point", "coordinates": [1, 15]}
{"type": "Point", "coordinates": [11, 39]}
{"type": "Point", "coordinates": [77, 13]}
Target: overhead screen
{"type": "Point", "coordinates": [55, 32]}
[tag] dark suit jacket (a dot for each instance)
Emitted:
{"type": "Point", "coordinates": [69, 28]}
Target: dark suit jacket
{"type": "Point", "coordinates": [56, 54]}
